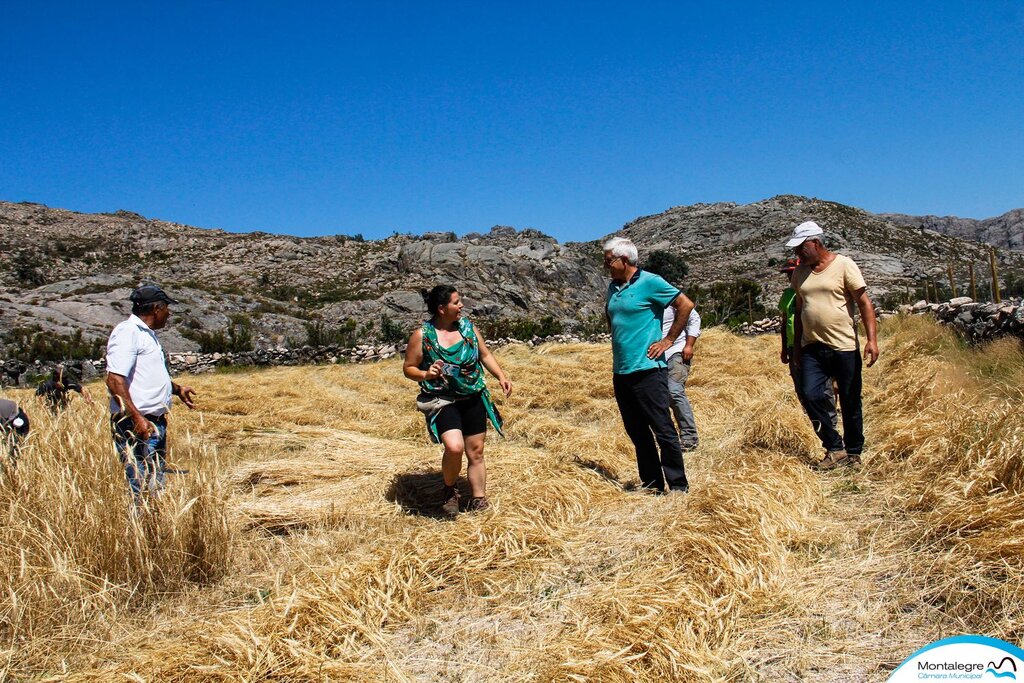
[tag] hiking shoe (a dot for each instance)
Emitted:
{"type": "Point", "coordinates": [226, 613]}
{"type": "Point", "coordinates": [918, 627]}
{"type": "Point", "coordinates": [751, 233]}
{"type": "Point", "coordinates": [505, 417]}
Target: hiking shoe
{"type": "Point", "coordinates": [832, 460]}
{"type": "Point", "coordinates": [450, 501]}
{"type": "Point", "coordinates": [478, 504]}
{"type": "Point", "coordinates": [853, 461]}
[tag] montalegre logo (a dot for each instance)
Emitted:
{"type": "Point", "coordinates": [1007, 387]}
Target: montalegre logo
{"type": "Point", "coordinates": [963, 658]}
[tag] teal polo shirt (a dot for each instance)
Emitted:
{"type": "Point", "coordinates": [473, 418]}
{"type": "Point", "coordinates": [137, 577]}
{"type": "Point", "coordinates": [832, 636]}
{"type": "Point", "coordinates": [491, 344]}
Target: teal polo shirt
{"type": "Point", "coordinates": [635, 309]}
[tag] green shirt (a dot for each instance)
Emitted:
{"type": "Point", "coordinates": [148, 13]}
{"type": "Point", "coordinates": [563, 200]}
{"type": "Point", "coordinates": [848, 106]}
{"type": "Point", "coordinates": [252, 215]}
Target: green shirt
{"type": "Point", "coordinates": [634, 310]}
{"type": "Point", "coordinates": [787, 307]}
{"type": "Point", "coordinates": [462, 375]}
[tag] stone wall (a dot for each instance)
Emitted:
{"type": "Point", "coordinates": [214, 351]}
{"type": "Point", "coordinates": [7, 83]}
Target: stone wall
{"type": "Point", "coordinates": [974, 320]}
{"type": "Point", "coordinates": [19, 373]}
{"type": "Point", "coordinates": [765, 326]}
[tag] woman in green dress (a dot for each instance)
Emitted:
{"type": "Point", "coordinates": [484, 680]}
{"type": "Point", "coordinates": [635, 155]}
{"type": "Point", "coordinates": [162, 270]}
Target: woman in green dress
{"type": "Point", "coordinates": [447, 355]}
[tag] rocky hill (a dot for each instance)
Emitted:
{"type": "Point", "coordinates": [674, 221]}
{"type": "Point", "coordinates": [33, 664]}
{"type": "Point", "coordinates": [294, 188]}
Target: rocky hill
{"type": "Point", "coordinates": [724, 241]}
{"type": "Point", "coordinates": [65, 273]}
{"type": "Point", "coordinates": [1006, 231]}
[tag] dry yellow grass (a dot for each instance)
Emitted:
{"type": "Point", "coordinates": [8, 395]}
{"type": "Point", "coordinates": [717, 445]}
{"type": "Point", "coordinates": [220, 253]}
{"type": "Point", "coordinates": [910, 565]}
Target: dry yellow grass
{"type": "Point", "coordinates": [304, 543]}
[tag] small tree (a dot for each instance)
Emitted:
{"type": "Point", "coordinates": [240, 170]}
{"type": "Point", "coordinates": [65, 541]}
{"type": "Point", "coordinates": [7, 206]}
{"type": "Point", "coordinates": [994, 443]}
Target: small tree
{"type": "Point", "coordinates": [27, 268]}
{"type": "Point", "coordinates": [668, 265]}
{"type": "Point", "coordinates": [236, 338]}
{"type": "Point", "coordinates": [318, 333]}
{"type": "Point", "coordinates": [727, 302]}
{"type": "Point", "coordinates": [390, 331]}
{"type": "Point", "coordinates": [33, 343]}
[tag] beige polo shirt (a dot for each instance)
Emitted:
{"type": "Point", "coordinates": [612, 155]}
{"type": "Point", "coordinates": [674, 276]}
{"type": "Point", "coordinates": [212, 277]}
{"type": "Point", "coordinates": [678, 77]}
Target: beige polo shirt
{"type": "Point", "coordinates": [828, 306]}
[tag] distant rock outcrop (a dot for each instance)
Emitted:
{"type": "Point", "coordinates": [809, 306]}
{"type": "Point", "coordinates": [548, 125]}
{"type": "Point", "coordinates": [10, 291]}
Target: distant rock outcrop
{"type": "Point", "coordinates": [725, 241]}
{"type": "Point", "coordinates": [64, 271]}
{"type": "Point", "coordinates": [1006, 231]}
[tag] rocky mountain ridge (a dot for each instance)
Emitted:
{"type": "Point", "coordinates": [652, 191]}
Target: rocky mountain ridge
{"type": "Point", "coordinates": [63, 271]}
{"type": "Point", "coordinates": [724, 241]}
{"type": "Point", "coordinates": [1005, 231]}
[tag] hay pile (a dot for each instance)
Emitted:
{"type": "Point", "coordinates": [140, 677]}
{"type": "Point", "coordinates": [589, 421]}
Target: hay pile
{"type": "Point", "coordinates": [305, 545]}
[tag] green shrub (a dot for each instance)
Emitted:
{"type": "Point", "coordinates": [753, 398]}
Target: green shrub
{"type": "Point", "coordinates": [263, 307]}
{"type": "Point", "coordinates": [28, 269]}
{"type": "Point", "coordinates": [390, 331]}
{"type": "Point", "coordinates": [592, 325]}
{"type": "Point", "coordinates": [319, 333]}
{"type": "Point", "coordinates": [286, 293]}
{"type": "Point", "coordinates": [326, 293]}
{"type": "Point", "coordinates": [32, 343]}
{"type": "Point", "coordinates": [522, 328]}
{"type": "Point", "coordinates": [727, 303]}
{"type": "Point", "coordinates": [668, 265]}
{"type": "Point", "coordinates": [98, 288]}
{"type": "Point", "coordinates": [236, 338]}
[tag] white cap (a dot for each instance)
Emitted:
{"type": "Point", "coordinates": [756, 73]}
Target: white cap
{"type": "Point", "coordinates": [803, 232]}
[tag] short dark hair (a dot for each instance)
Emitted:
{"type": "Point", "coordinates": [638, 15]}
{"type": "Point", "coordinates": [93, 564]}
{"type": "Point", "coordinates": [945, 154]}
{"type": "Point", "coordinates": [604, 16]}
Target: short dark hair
{"type": "Point", "coordinates": [439, 296]}
{"type": "Point", "coordinates": [143, 309]}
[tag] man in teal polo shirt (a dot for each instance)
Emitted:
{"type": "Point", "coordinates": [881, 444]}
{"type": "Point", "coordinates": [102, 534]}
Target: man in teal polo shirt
{"type": "Point", "coordinates": [636, 300]}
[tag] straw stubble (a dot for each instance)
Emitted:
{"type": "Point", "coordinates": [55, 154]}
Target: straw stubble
{"type": "Point", "coordinates": [306, 544]}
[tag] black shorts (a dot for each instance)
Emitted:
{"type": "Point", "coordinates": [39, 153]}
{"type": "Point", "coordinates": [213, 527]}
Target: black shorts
{"type": "Point", "coordinates": [467, 415]}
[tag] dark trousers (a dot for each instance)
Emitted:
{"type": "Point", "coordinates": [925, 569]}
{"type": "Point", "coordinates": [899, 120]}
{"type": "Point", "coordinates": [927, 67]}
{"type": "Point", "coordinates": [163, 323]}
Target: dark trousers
{"type": "Point", "coordinates": [143, 459]}
{"type": "Point", "coordinates": [794, 373]}
{"type": "Point", "coordinates": [643, 400]}
{"type": "Point", "coordinates": [819, 364]}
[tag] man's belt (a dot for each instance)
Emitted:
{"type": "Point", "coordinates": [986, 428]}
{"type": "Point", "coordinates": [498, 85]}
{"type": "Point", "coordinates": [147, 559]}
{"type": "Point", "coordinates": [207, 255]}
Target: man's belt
{"type": "Point", "coordinates": [155, 419]}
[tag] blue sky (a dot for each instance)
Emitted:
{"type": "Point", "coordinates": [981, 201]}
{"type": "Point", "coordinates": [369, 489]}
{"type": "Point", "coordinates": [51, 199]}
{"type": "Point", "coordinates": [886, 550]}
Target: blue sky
{"type": "Point", "coordinates": [572, 118]}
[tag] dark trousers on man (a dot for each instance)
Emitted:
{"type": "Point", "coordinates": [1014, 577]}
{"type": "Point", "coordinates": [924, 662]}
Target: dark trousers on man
{"type": "Point", "coordinates": [143, 459]}
{"type": "Point", "coordinates": [643, 400]}
{"type": "Point", "coordinates": [794, 373]}
{"type": "Point", "coordinates": [819, 364]}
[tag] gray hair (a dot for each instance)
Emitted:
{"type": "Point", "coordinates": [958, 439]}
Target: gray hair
{"type": "Point", "coordinates": [143, 309]}
{"type": "Point", "coordinates": [622, 247]}
{"type": "Point", "coordinates": [820, 239]}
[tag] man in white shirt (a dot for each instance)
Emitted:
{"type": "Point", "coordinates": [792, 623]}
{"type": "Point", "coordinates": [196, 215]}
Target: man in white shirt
{"type": "Point", "coordinates": [141, 390]}
{"type": "Point", "coordinates": [678, 358]}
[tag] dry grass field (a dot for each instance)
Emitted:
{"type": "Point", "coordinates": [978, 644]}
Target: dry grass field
{"type": "Point", "coordinates": [304, 544]}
